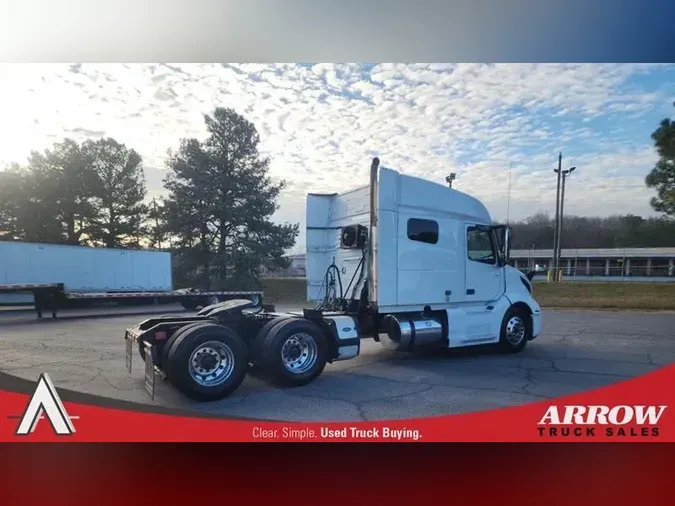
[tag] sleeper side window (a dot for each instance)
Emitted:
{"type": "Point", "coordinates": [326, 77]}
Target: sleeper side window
{"type": "Point", "coordinates": [423, 230]}
{"type": "Point", "coordinates": [480, 246]}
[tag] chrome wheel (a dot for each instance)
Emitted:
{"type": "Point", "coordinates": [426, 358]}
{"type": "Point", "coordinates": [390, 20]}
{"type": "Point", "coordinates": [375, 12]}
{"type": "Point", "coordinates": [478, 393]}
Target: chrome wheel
{"type": "Point", "coordinates": [515, 330]}
{"type": "Point", "coordinates": [299, 353]}
{"type": "Point", "coordinates": [211, 363]}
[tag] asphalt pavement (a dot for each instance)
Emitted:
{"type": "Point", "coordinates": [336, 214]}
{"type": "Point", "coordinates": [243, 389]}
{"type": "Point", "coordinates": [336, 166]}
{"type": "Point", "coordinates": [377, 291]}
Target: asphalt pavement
{"type": "Point", "coordinates": [577, 351]}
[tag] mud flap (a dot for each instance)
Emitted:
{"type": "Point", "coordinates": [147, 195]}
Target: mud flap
{"type": "Point", "coordinates": [149, 371]}
{"type": "Point", "coordinates": [130, 352]}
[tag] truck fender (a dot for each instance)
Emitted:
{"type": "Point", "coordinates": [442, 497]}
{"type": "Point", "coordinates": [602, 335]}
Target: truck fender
{"type": "Point", "coordinates": [530, 305]}
{"type": "Point", "coordinates": [532, 308]}
{"type": "Point", "coordinates": [346, 338]}
{"type": "Point", "coordinates": [501, 306]}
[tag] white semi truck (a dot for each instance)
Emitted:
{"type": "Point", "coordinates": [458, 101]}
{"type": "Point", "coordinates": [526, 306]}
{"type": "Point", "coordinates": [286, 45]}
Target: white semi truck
{"type": "Point", "coordinates": [405, 261]}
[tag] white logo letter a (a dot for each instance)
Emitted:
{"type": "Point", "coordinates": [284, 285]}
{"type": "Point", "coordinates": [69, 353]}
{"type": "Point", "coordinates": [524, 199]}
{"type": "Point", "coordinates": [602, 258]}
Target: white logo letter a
{"type": "Point", "coordinates": [45, 400]}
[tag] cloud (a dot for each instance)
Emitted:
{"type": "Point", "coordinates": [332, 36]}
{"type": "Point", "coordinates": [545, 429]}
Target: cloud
{"type": "Point", "coordinates": [321, 124]}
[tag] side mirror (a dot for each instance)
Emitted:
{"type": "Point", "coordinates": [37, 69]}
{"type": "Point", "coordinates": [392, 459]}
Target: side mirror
{"type": "Point", "coordinates": [503, 236]}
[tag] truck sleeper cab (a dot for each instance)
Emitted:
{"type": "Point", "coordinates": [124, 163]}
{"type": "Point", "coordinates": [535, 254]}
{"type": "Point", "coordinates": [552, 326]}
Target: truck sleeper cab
{"type": "Point", "coordinates": [434, 258]}
{"type": "Point", "coordinates": [405, 261]}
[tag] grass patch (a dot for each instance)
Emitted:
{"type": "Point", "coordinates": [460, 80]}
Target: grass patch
{"type": "Point", "coordinates": [592, 295]}
{"type": "Point", "coordinates": [578, 295]}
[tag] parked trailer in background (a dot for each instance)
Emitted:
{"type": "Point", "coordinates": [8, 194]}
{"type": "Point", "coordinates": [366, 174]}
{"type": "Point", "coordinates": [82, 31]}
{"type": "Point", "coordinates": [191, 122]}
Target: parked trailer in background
{"type": "Point", "coordinates": [404, 261]}
{"type": "Point", "coordinates": [59, 275]}
{"type": "Point", "coordinates": [84, 269]}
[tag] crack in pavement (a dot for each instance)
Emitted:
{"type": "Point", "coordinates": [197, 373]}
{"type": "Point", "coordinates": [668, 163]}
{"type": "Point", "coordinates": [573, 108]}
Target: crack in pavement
{"type": "Point", "coordinates": [376, 361]}
{"type": "Point", "coordinates": [361, 405]}
{"type": "Point", "coordinates": [361, 412]}
{"type": "Point", "coordinates": [82, 383]}
{"type": "Point", "coordinates": [9, 361]}
{"type": "Point", "coordinates": [531, 382]}
{"type": "Point", "coordinates": [596, 373]}
{"type": "Point", "coordinates": [374, 399]}
{"type": "Point", "coordinates": [60, 363]}
{"type": "Point", "coordinates": [434, 384]}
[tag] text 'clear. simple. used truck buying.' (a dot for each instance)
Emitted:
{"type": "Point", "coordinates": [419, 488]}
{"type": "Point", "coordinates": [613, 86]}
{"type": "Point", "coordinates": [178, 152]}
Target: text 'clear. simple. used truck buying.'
{"type": "Point", "coordinates": [405, 261]}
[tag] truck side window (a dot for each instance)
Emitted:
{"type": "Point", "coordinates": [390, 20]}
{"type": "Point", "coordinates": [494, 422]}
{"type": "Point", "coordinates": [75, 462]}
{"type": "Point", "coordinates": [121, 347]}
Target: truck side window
{"type": "Point", "coordinates": [423, 230]}
{"type": "Point", "coordinates": [480, 246]}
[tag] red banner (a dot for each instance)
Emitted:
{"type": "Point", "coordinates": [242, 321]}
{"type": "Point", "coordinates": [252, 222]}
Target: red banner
{"type": "Point", "coordinates": [634, 410]}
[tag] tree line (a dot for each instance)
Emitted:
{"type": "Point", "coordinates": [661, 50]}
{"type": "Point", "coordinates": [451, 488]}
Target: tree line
{"type": "Point", "coordinates": [627, 231]}
{"type": "Point", "coordinates": [215, 216]}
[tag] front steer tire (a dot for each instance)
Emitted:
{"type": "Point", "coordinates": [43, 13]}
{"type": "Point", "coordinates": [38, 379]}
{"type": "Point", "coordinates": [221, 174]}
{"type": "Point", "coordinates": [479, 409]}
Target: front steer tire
{"type": "Point", "coordinates": [221, 350]}
{"type": "Point", "coordinates": [299, 338]}
{"type": "Point", "coordinates": [516, 330]}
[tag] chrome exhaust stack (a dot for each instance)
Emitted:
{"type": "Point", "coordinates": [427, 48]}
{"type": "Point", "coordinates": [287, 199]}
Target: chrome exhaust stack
{"type": "Point", "coordinates": [372, 235]}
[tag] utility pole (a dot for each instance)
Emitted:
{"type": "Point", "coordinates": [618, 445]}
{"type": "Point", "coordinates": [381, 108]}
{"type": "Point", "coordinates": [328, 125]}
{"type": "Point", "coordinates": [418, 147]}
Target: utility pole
{"type": "Point", "coordinates": [557, 218]}
{"type": "Point", "coordinates": [565, 174]}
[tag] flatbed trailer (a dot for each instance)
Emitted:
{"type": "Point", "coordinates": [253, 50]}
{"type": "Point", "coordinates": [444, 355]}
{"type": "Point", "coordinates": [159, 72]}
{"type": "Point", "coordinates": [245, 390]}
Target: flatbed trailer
{"type": "Point", "coordinates": [428, 270]}
{"type": "Point", "coordinates": [53, 297]}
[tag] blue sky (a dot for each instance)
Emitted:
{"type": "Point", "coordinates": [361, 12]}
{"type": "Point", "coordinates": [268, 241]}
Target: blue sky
{"type": "Point", "coordinates": [321, 123]}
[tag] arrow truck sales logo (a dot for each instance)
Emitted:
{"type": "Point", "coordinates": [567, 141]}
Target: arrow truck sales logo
{"type": "Point", "coordinates": [45, 401]}
{"type": "Point", "coordinates": [599, 420]}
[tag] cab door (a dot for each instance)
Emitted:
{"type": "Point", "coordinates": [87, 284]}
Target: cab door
{"type": "Point", "coordinates": [484, 274]}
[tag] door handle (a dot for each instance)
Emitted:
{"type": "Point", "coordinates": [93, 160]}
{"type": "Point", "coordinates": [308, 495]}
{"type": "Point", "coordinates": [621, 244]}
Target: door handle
{"type": "Point", "coordinates": [470, 291]}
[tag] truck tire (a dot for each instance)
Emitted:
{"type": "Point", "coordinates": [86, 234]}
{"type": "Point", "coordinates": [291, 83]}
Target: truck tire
{"type": "Point", "coordinates": [256, 346]}
{"type": "Point", "coordinates": [172, 339]}
{"type": "Point", "coordinates": [516, 330]}
{"type": "Point", "coordinates": [206, 361]}
{"type": "Point", "coordinates": [293, 352]}
{"type": "Point", "coordinates": [258, 342]}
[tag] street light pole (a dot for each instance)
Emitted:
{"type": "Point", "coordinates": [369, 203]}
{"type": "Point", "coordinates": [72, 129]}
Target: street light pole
{"type": "Point", "coordinates": [557, 218]}
{"type": "Point", "coordinates": [565, 173]}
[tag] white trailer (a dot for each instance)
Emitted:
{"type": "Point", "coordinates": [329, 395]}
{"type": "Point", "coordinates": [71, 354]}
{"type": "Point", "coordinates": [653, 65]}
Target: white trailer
{"type": "Point", "coordinates": [54, 275]}
{"type": "Point", "coordinates": [405, 261]}
{"type": "Point", "coordinates": [83, 269]}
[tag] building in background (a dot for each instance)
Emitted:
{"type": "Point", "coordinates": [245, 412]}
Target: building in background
{"type": "Point", "coordinates": [295, 270]}
{"type": "Point", "coordinates": [630, 264]}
